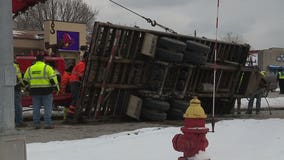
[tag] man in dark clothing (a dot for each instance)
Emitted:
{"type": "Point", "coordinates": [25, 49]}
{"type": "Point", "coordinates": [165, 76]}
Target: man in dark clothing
{"type": "Point", "coordinates": [257, 95]}
{"type": "Point", "coordinates": [280, 77]}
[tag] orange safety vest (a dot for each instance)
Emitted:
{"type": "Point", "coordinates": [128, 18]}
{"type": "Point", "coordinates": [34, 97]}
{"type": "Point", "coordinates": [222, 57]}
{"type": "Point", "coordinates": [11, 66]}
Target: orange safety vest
{"type": "Point", "coordinates": [78, 72]}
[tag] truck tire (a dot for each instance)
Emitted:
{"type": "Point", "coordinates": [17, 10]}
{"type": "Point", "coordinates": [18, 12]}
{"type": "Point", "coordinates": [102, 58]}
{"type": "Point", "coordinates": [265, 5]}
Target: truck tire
{"type": "Point", "coordinates": [179, 104]}
{"type": "Point", "coordinates": [158, 105]}
{"type": "Point", "coordinates": [157, 74]}
{"type": "Point", "coordinates": [183, 74]}
{"type": "Point", "coordinates": [195, 58]}
{"type": "Point", "coordinates": [153, 115]}
{"type": "Point", "coordinates": [180, 85]}
{"type": "Point", "coordinates": [171, 44]}
{"type": "Point", "coordinates": [198, 47]}
{"type": "Point", "coordinates": [168, 56]}
{"type": "Point", "coordinates": [175, 114]}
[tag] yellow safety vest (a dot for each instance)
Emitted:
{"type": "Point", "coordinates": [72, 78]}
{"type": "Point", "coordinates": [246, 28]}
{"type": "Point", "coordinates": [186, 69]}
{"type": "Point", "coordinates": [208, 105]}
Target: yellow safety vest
{"type": "Point", "coordinates": [18, 75]}
{"type": "Point", "coordinates": [39, 76]}
{"type": "Point", "coordinates": [281, 75]}
{"type": "Point", "coordinates": [263, 73]}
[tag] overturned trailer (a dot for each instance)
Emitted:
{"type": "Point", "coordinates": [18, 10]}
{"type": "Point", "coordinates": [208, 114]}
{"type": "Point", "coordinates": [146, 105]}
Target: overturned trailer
{"type": "Point", "coordinates": [152, 75]}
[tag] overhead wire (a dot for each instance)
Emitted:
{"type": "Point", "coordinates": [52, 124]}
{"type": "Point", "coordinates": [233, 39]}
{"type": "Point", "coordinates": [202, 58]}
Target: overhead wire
{"type": "Point", "coordinates": [149, 20]}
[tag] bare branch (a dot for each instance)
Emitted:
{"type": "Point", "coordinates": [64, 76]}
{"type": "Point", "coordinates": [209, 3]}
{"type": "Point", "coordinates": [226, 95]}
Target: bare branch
{"type": "Point", "coordinates": [63, 10]}
{"type": "Point", "coordinates": [230, 37]}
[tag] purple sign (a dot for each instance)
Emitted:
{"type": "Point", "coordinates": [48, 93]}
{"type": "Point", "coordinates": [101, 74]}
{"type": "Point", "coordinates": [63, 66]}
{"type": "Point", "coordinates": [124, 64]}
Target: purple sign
{"type": "Point", "coordinates": [67, 40]}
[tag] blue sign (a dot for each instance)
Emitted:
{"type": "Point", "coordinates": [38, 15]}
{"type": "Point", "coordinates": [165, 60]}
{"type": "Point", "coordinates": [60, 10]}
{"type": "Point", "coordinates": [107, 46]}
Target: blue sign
{"type": "Point", "coordinates": [67, 40]}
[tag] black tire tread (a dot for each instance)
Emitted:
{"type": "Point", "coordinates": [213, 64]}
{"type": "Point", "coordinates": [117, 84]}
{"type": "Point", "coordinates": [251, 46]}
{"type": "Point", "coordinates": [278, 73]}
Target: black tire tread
{"type": "Point", "coordinates": [153, 115]}
{"type": "Point", "coordinates": [171, 44]}
{"type": "Point", "coordinates": [195, 58]}
{"type": "Point", "coordinates": [179, 104]}
{"type": "Point", "coordinates": [196, 46]}
{"type": "Point", "coordinates": [175, 114]}
{"type": "Point", "coordinates": [168, 56]}
{"type": "Point", "coordinates": [154, 104]}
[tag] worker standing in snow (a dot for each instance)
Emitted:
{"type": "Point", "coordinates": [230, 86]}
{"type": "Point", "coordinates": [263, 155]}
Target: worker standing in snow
{"type": "Point", "coordinates": [257, 95]}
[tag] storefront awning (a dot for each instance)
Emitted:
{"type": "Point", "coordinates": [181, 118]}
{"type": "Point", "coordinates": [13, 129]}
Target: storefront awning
{"type": "Point", "coordinates": [275, 67]}
{"type": "Point", "coordinates": [22, 5]}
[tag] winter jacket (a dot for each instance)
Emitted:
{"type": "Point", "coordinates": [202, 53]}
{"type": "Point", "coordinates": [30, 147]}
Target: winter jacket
{"type": "Point", "coordinates": [41, 79]}
{"type": "Point", "coordinates": [65, 80]}
{"type": "Point", "coordinates": [78, 72]}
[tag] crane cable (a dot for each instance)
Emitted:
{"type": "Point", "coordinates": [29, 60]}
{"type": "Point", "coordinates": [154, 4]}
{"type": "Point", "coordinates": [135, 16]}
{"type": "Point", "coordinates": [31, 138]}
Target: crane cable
{"type": "Point", "coordinates": [149, 20]}
{"type": "Point", "coordinates": [215, 58]}
{"type": "Point", "coordinates": [52, 25]}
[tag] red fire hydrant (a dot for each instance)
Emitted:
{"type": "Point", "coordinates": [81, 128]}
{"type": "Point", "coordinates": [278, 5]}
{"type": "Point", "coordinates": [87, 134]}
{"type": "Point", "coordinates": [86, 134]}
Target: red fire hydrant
{"type": "Point", "coordinates": [193, 138]}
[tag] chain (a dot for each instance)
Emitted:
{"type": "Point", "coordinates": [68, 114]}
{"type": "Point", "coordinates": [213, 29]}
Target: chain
{"type": "Point", "coordinates": [52, 25]}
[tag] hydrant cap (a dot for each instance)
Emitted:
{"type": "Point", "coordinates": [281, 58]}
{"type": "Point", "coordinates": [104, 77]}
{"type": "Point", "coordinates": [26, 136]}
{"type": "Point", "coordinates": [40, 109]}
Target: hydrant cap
{"type": "Point", "coordinates": [194, 110]}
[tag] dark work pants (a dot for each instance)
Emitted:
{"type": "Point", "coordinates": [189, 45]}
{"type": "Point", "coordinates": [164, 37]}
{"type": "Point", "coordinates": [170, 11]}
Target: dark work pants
{"type": "Point", "coordinates": [18, 107]}
{"type": "Point", "coordinates": [257, 105]}
{"type": "Point", "coordinates": [46, 101]}
{"type": "Point", "coordinates": [239, 105]}
{"type": "Point", "coordinates": [281, 86]}
{"type": "Point", "coordinates": [75, 91]}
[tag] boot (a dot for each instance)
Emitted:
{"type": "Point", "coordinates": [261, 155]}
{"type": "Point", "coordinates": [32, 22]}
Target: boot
{"type": "Point", "coordinates": [70, 115]}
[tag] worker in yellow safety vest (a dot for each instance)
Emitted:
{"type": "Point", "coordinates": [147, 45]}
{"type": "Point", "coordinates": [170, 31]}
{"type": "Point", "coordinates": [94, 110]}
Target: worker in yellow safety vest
{"type": "Point", "coordinates": [41, 79]}
{"type": "Point", "coordinates": [18, 97]}
{"type": "Point", "coordinates": [257, 95]}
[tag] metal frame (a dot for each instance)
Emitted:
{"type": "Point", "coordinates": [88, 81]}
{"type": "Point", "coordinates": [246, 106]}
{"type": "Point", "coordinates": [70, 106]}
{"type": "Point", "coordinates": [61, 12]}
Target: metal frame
{"type": "Point", "coordinates": [131, 72]}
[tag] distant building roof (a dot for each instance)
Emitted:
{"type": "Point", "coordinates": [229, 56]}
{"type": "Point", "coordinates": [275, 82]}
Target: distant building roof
{"type": "Point", "coordinates": [27, 34]}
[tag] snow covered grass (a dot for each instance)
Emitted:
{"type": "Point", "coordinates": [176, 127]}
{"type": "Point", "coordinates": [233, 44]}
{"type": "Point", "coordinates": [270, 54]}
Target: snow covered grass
{"type": "Point", "coordinates": [246, 139]}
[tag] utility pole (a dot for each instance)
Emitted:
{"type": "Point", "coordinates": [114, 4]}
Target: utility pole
{"type": "Point", "coordinates": [12, 144]}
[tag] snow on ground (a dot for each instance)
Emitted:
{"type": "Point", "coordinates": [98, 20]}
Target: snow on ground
{"type": "Point", "coordinates": [245, 139]}
{"type": "Point", "coordinates": [239, 139]}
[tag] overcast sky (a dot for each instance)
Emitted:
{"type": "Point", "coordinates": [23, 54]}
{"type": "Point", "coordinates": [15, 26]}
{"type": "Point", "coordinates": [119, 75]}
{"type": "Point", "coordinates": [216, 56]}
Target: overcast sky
{"type": "Point", "coordinates": [259, 23]}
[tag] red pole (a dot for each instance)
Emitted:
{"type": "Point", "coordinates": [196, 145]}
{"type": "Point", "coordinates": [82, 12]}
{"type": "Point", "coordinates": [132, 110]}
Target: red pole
{"type": "Point", "coordinates": [215, 58]}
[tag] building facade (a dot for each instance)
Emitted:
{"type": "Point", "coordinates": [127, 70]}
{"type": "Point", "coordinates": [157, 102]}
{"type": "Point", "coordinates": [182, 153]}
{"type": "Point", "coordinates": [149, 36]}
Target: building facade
{"type": "Point", "coordinates": [58, 39]}
{"type": "Point", "coordinates": [271, 60]}
{"type": "Point", "coordinates": [27, 42]}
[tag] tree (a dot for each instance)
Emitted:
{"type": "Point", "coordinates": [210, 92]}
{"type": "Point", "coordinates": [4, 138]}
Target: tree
{"type": "Point", "coordinates": [230, 37]}
{"type": "Point", "coordinates": [62, 10]}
